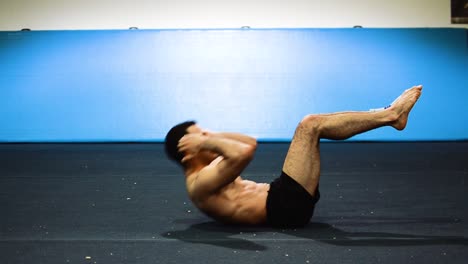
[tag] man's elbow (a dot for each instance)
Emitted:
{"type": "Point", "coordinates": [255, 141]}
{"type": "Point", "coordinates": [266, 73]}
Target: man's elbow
{"type": "Point", "coordinates": [254, 144]}
{"type": "Point", "coordinates": [248, 151]}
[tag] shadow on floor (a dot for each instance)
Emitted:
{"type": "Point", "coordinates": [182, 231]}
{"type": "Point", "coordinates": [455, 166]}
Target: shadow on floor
{"type": "Point", "coordinates": [234, 237]}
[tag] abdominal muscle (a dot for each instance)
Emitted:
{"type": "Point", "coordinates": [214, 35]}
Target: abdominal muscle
{"type": "Point", "coordinates": [240, 202]}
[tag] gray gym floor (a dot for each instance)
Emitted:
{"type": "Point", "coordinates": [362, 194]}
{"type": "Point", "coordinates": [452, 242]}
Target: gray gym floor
{"type": "Point", "coordinates": [125, 203]}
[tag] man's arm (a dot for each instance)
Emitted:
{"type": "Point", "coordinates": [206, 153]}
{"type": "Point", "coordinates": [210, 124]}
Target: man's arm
{"type": "Point", "coordinates": [238, 137]}
{"type": "Point", "coordinates": [236, 156]}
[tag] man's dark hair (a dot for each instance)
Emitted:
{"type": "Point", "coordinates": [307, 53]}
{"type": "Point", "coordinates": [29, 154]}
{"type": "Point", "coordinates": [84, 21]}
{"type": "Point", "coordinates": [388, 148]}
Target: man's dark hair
{"type": "Point", "coordinates": [172, 140]}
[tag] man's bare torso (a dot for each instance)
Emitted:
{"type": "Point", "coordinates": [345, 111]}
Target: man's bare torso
{"type": "Point", "coordinates": [240, 202]}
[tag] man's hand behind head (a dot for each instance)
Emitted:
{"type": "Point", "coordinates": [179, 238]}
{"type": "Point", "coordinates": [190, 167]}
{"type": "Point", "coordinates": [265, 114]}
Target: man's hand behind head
{"type": "Point", "coordinates": [191, 144]}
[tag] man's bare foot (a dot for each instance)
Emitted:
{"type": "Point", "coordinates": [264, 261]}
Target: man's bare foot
{"type": "Point", "coordinates": [403, 105]}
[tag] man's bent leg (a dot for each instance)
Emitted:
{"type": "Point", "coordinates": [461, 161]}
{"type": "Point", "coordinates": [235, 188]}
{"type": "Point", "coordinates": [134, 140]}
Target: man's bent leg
{"type": "Point", "coordinates": [303, 159]}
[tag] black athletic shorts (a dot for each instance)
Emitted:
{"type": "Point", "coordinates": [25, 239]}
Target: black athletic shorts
{"type": "Point", "coordinates": [288, 204]}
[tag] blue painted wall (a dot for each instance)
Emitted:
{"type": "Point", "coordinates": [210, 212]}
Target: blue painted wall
{"type": "Point", "coordinates": [133, 85]}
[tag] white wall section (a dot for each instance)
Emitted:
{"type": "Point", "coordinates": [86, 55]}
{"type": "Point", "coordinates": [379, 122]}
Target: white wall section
{"type": "Point", "coordinates": [161, 14]}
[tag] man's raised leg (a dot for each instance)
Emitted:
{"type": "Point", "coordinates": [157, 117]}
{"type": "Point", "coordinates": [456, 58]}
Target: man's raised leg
{"type": "Point", "coordinates": [302, 162]}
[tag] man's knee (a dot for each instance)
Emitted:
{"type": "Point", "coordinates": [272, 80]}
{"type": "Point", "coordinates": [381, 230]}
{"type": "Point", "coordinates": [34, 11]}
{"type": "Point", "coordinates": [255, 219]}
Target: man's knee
{"type": "Point", "coordinates": [310, 124]}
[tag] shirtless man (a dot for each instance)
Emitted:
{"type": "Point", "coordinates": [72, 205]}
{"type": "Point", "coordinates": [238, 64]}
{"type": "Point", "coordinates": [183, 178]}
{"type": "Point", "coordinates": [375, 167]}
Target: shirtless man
{"type": "Point", "coordinates": [212, 163]}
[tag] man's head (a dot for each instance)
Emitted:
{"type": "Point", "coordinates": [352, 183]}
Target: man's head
{"type": "Point", "coordinates": [172, 140]}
